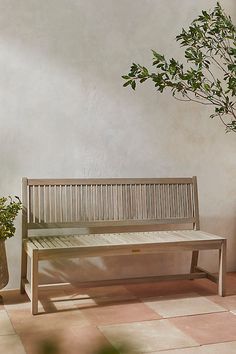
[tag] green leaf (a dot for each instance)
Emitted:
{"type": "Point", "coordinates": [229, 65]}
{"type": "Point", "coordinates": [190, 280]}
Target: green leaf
{"type": "Point", "coordinates": [133, 85]}
{"type": "Point", "coordinates": [127, 83]}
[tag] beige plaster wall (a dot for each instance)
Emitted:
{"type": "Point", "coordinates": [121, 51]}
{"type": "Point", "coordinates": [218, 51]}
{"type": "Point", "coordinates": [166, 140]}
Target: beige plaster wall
{"type": "Point", "coordinates": [64, 113]}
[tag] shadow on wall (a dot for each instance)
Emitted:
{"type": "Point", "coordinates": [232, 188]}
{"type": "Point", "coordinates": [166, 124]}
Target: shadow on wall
{"type": "Point", "coordinates": [76, 49]}
{"type": "Point", "coordinates": [80, 36]}
{"type": "Point", "coordinates": [92, 44]}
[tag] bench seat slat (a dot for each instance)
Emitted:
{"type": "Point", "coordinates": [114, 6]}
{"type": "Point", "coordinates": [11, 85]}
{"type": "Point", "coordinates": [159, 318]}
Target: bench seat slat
{"type": "Point", "coordinates": [134, 238]}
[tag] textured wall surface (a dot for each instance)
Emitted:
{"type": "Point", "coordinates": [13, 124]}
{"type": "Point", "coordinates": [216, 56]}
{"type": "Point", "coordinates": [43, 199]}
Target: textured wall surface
{"type": "Point", "coordinates": [64, 113]}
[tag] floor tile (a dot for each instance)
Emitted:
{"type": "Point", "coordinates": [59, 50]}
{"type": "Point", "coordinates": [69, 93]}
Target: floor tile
{"type": "Point", "coordinates": [24, 322]}
{"type": "Point", "coordinates": [165, 288]}
{"type": "Point", "coordinates": [160, 288]}
{"type": "Point", "coordinates": [119, 313]}
{"type": "Point", "coordinates": [228, 302]}
{"type": "Point", "coordinates": [5, 324]}
{"type": "Point", "coordinates": [231, 284]}
{"type": "Point", "coordinates": [16, 300]}
{"type": "Point", "coordinates": [103, 294]}
{"type": "Point", "coordinates": [147, 336]}
{"type": "Point", "coordinates": [86, 340]}
{"type": "Point", "coordinates": [70, 340]}
{"type": "Point", "coordinates": [182, 305]}
{"type": "Point", "coordinates": [11, 344]}
{"type": "Point", "coordinates": [33, 342]}
{"type": "Point", "coordinates": [218, 348]}
{"type": "Point", "coordinates": [210, 328]}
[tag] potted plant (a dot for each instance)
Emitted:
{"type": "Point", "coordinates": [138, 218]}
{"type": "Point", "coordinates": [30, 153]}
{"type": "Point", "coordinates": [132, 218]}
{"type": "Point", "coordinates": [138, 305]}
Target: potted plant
{"type": "Point", "coordinates": [209, 78]}
{"type": "Point", "coordinates": [9, 209]}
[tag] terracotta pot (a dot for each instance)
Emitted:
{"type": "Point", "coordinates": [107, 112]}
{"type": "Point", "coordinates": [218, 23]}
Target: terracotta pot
{"type": "Point", "coordinates": [4, 275]}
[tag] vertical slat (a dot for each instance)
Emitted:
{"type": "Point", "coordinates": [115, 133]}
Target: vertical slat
{"type": "Point", "coordinates": [178, 203]}
{"type": "Point", "coordinates": [36, 203]}
{"type": "Point", "coordinates": [60, 203]}
{"type": "Point", "coordinates": [85, 202]}
{"type": "Point", "coordinates": [76, 203]}
{"type": "Point", "coordinates": [54, 204]}
{"type": "Point", "coordinates": [167, 201]}
{"type": "Point", "coordinates": [135, 202]}
{"type": "Point", "coordinates": [50, 202]}
{"type": "Point", "coordinates": [121, 203]}
{"type": "Point", "coordinates": [80, 202]}
{"type": "Point", "coordinates": [95, 201]}
{"type": "Point", "coordinates": [132, 211]}
{"type": "Point", "coordinates": [181, 200]}
{"type": "Point", "coordinates": [123, 200]}
{"type": "Point", "coordinates": [44, 205]}
{"type": "Point", "coordinates": [33, 203]}
{"type": "Point", "coordinates": [65, 204]}
{"type": "Point", "coordinates": [24, 235]}
{"type": "Point", "coordinates": [157, 195]}
{"type": "Point", "coordinates": [161, 216]}
{"type": "Point", "coordinates": [143, 202]}
{"type": "Point", "coordinates": [117, 203]}
{"type": "Point", "coordinates": [81, 199]}
{"type": "Point", "coordinates": [30, 205]}
{"type": "Point", "coordinates": [39, 203]}
{"type": "Point", "coordinates": [110, 216]}
{"type": "Point", "coordinates": [195, 199]}
{"type": "Point", "coordinates": [106, 217]}
{"type": "Point", "coordinates": [135, 199]}
{"type": "Point", "coordinates": [174, 211]}
{"type": "Point", "coordinates": [139, 201]}
{"type": "Point", "coordinates": [90, 202]}
{"type": "Point", "coordinates": [155, 200]}
{"type": "Point", "coordinates": [47, 203]}
{"type": "Point", "coordinates": [70, 204]}
{"type": "Point", "coordinates": [163, 201]}
{"type": "Point", "coordinates": [186, 199]}
{"type": "Point", "coordinates": [128, 200]}
{"type": "Point", "coordinates": [190, 213]}
{"type": "Point", "coordinates": [171, 201]}
{"type": "Point", "coordinates": [101, 206]}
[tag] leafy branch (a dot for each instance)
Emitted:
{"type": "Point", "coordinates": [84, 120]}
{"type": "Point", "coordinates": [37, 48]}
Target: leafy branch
{"type": "Point", "coordinates": [9, 209]}
{"type": "Point", "coordinates": [210, 76]}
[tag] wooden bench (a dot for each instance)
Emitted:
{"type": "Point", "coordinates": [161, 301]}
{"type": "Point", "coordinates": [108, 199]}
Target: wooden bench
{"type": "Point", "coordinates": [114, 217]}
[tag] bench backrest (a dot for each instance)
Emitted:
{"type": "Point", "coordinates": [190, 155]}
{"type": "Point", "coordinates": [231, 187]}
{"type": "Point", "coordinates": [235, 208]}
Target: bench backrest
{"type": "Point", "coordinates": [113, 203]}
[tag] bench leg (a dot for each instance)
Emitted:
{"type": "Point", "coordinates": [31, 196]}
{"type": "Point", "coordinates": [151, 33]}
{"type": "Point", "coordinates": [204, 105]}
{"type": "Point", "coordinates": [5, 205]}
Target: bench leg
{"type": "Point", "coordinates": [23, 270]}
{"type": "Point", "coordinates": [222, 269]}
{"type": "Point", "coordinates": [34, 283]}
{"type": "Point", "coordinates": [194, 261]}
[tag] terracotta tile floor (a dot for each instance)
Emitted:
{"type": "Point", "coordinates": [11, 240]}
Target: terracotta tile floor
{"type": "Point", "coordinates": [179, 317]}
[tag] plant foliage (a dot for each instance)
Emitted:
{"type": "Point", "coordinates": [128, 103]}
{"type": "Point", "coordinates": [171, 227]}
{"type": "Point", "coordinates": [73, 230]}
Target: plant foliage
{"type": "Point", "coordinates": [210, 76]}
{"type": "Point", "coordinates": [9, 209]}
